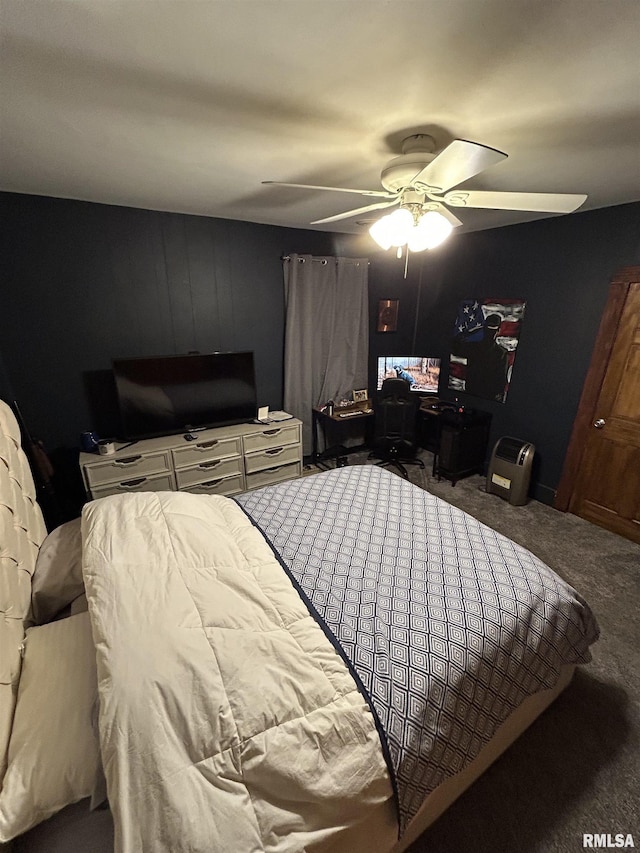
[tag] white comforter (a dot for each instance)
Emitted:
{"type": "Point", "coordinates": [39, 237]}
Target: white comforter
{"type": "Point", "coordinates": [228, 723]}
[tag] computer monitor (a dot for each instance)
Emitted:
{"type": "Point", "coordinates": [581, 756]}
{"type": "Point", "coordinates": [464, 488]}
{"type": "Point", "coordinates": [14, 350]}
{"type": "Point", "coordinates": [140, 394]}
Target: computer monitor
{"type": "Point", "coordinates": [422, 373]}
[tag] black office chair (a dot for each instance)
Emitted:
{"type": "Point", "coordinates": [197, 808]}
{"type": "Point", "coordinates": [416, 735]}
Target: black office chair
{"type": "Point", "coordinates": [396, 426]}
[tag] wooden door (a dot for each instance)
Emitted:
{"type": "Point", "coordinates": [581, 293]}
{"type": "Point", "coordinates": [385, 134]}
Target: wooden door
{"type": "Point", "coordinates": [601, 480]}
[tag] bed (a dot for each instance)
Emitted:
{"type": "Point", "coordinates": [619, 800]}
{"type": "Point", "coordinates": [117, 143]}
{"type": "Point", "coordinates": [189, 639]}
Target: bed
{"type": "Point", "coordinates": [309, 666]}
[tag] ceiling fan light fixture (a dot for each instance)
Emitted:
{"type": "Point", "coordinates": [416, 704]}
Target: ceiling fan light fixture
{"type": "Point", "coordinates": [393, 229]}
{"type": "Point", "coordinates": [431, 230]}
{"type": "Point", "coordinates": [379, 232]}
{"type": "Point", "coordinates": [399, 229]}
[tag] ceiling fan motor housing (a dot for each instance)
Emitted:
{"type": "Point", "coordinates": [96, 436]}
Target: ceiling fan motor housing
{"type": "Point", "coordinates": [399, 172]}
{"type": "Point", "coordinates": [417, 152]}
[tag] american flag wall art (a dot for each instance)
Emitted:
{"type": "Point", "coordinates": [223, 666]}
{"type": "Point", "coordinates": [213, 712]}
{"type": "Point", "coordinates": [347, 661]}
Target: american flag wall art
{"type": "Point", "coordinates": [483, 351]}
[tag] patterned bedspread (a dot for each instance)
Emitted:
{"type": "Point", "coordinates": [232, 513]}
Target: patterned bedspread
{"type": "Point", "coordinates": [448, 624]}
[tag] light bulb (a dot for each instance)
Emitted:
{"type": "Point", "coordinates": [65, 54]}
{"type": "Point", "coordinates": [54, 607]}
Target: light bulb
{"type": "Point", "coordinates": [431, 230]}
{"type": "Point", "coordinates": [400, 225]}
{"type": "Point", "coordinates": [379, 232]}
{"type": "Point", "coordinates": [393, 229]}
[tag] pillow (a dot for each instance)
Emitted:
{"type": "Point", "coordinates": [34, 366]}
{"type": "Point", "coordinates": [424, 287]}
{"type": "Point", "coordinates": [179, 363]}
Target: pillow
{"type": "Point", "coordinates": [54, 756]}
{"type": "Point", "coordinates": [79, 605]}
{"type": "Point", "coordinates": [57, 577]}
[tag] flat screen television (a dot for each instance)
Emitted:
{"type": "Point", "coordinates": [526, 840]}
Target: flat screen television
{"type": "Point", "coordinates": [422, 373]}
{"type": "Point", "coordinates": [179, 393]}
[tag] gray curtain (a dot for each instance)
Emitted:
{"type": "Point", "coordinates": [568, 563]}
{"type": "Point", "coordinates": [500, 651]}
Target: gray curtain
{"type": "Point", "coordinates": [326, 333]}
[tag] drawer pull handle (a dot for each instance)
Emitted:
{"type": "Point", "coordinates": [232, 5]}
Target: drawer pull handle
{"type": "Point", "coordinates": [276, 431]}
{"type": "Point", "coordinates": [205, 445]}
{"type": "Point", "coordinates": [210, 484]}
{"type": "Point", "coordinates": [131, 484]}
{"type": "Point", "coordinates": [213, 464]}
{"type": "Point", "coordinates": [275, 451]}
{"type": "Point", "coordinates": [129, 460]}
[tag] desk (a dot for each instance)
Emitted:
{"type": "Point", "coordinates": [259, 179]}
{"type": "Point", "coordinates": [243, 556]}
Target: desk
{"type": "Point", "coordinates": [429, 428]}
{"type": "Point", "coordinates": [458, 441]}
{"type": "Point", "coordinates": [361, 415]}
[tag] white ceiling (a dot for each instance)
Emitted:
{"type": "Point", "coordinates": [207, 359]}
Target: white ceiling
{"type": "Point", "coordinates": [187, 105]}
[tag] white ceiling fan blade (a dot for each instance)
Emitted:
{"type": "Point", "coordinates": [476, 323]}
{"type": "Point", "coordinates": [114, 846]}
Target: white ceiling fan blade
{"type": "Point", "coordinates": [458, 162]}
{"type": "Point", "coordinates": [378, 206]}
{"type": "Point", "coordinates": [374, 193]}
{"type": "Point", "coordinates": [541, 202]}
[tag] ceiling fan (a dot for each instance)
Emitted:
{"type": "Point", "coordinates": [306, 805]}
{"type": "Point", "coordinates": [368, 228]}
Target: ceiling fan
{"type": "Point", "coordinates": [422, 184]}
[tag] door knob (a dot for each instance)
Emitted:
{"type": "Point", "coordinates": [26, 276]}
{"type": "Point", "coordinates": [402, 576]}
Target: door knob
{"type": "Point", "coordinates": [599, 423]}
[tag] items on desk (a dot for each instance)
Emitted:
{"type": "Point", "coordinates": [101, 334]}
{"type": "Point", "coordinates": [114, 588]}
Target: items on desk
{"type": "Point", "coordinates": [336, 406]}
{"type": "Point", "coordinates": [354, 413]}
{"type": "Point", "coordinates": [436, 405]}
{"type": "Point", "coordinates": [331, 419]}
{"type": "Point", "coordinates": [332, 409]}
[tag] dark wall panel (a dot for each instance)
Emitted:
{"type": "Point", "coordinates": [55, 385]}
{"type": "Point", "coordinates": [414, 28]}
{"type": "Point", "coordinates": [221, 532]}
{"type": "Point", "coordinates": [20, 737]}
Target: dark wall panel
{"type": "Point", "coordinates": [6, 389]}
{"type": "Point", "coordinates": [561, 267]}
{"type": "Point", "coordinates": [84, 283]}
{"type": "Point", "coordinates": [423, 328]}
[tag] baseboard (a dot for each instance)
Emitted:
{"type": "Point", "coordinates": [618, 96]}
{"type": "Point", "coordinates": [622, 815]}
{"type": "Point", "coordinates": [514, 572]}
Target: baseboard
{"type": "Point", "coordinates": [544, 494]}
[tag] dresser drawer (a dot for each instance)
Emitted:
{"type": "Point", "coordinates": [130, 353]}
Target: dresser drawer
{"type": "Point", "coordinates": [273, 475]}
{"type": "Point", "coordinates": [203, 451]}
{"type": "Point", "coordinates": [216, 461]}
{"type": "Point", "coordinates": [272, 458]}
{"type": "Point", "coordinates": [155, 483]}
{"type": "Point", "coordinates": [211, 469]}
{"type": "Point", "coordinates": [127, 468]}
{"type": "Point", "coordinates": [273, 437]}
{"type": "Point", "coordinates": [220, 486]}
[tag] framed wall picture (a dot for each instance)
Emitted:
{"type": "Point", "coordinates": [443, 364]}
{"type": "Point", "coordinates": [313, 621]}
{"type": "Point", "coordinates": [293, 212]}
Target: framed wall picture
{"type": "Point", "coordinates": [484, 347]}
{"type": "Point", "coordinates": [388, 315]}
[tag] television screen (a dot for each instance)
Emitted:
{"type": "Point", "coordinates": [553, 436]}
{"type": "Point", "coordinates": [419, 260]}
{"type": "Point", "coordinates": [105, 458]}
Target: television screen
{"type": "Point", "coordinates": [423, 374]}
{"type": "Point", "coordinates": [177, 393]}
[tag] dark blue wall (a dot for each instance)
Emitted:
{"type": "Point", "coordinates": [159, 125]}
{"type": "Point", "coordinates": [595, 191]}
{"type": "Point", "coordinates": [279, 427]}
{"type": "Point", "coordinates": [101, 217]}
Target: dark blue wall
{"type": "Point", "coordinates": [6, 389]}
{"type": "Point", "coordinates": [82, 283]}
{"type": "Point", "coordinates": [561, 267]}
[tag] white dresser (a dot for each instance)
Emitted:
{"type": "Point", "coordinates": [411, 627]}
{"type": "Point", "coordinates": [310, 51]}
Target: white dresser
{"type": "Point", "coordinates": [220, 461]}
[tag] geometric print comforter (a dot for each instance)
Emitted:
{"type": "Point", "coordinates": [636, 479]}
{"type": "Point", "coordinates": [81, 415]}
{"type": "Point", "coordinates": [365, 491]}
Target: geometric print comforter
{"type": "Point", "coordinates": [447, 625]}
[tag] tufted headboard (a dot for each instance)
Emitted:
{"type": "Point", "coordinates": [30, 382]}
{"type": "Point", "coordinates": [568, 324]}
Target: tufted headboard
{"type": "Point", "coordinates": [22, 531]}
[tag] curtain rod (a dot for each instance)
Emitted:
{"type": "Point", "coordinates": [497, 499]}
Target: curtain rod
{"type": "Point", "coordinates": [323, 261]}
{"type": "Point", "coordinates": [302, 260]}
